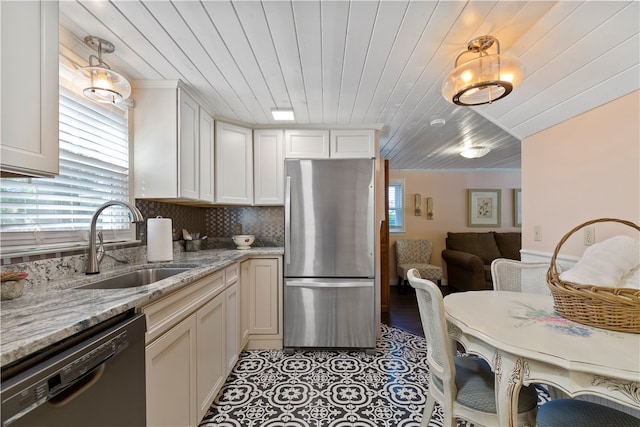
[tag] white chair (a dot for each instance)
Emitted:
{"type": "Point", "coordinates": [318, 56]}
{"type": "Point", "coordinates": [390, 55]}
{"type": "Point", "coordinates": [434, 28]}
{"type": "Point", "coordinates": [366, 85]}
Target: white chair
{"type": "Point", "coordinates": [463, 386]}
{"type": "Point", "coordinates": [416, 254]}
{"type": "Point", "coordinates": [517, 276]}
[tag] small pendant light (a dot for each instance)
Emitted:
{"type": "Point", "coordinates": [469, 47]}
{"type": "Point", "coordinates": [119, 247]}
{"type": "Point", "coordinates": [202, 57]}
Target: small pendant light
{"type": "Point", "coordinates": [98, 81]}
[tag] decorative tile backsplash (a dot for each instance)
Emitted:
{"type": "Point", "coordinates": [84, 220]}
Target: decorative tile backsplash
{"type": "Point", "coordinates": [191, 218]}
{"type": "Point", "coordinates": [218, 223]}
{"type": "Point", "coordinates": [266, 223]}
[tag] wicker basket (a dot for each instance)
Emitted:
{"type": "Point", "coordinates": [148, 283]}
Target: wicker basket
{"type": "Point", "coordinates": [616, 309]}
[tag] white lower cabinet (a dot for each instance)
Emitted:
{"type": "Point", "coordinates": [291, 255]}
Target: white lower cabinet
{"type": "Point", "coordinates": [232, 295]}
{"type": "Point", "coordinates": [185, 352]}
{"type": "Point", "coordinates": [171, 376]}
{"type": "Point", "coordinates": [195, 335]}
{"type": "Point", "coordinates": [245, 268]}
{"type": "Point", "coordinates": [265, 303]}
{"type": "Point", "coordinates": [210, 353]}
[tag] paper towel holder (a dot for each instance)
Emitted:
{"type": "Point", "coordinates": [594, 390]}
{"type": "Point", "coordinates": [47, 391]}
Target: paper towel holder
{"type": "Point", "coordinates": [160, 241]}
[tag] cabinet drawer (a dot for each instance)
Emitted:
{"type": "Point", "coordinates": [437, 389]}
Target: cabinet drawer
{"type": "Point", "coordinates": [167, 312]}
{"type": "Point", "coordinates": [232, 273]}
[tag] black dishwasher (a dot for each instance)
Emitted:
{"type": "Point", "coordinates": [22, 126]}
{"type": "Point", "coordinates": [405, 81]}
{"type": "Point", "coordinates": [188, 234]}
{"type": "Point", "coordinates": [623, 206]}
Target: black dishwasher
{"type": "Point", "coordinates": [95, 378]}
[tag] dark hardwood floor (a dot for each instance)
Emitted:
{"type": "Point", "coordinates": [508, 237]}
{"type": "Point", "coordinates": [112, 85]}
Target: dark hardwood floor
{"type": "Point", "coordinates": [403, 309]}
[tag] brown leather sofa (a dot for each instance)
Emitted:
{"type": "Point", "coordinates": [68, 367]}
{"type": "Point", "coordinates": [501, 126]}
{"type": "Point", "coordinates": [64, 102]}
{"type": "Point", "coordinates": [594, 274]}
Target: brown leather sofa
{"type": "Point", "coordinates": [468, 257]}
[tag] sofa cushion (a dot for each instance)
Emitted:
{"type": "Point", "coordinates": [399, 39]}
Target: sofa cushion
{"type": "Point", "coordinates": [509, 244]}
{"type": "Point", "coordinates": [483, 245]}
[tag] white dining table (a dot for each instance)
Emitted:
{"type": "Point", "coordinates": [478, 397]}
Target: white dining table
{"type": "Point", "coordinates": [525, 341]}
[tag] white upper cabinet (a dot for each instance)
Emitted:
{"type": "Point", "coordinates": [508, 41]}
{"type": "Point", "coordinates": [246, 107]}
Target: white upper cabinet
{"type": "Point", "coordinates": [306, 144]}
{"type": "Point", "coordinates": [353, 144]}
{"type": "Point", "coordinates": [206, 138]}
{"type": "Point", "coordinates": [172, 144]}
{"type": "Point", "coordinates": [29, 88]}
{"type": "Point", "coordinates": [189, 151]}
{"type": "Point", "coordinates": [234, 164]}
{"type": "Point", "coordinates": [324, 144]}
{"type": "Point", "coordinates": [268, 167]}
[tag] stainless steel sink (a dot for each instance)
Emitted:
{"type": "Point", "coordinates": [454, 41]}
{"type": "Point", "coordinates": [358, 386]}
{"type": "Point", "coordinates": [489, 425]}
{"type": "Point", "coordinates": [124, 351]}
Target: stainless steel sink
{"type": "Point", "coordinates": [135, 278]}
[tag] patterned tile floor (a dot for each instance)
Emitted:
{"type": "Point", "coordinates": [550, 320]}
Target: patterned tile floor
{"type": "Point", "coordinates": [329, 388]}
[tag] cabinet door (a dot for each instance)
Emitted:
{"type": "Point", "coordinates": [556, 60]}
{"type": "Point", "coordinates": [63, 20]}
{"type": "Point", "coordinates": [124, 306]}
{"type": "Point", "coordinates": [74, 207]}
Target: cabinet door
{"type": "Point", "coordinates": [357, 144]}
{"type": "Point", "coordinates": [29, 88]}
{"type": "Point", "coordinates": [268, 166]}
{"type": "Point", "coordinates": [263, 297]}
{"type": "Point", "coordinates": [188, 124]}
{"type": "Point", "coordinates": [306, 144]}
{"type": "Point", "coordinates": [245, 277]}
{"type": "Point", "coordinates": [234, 164]}
{"type": "Point", "coordinates": [171, 376]}
{"type": "Point", "coordinates": [206, 135]}
{"type": "Point", "coordinates": [211, 360]}
{"type": "Point", "coordinates": [155, 143]}
{"type": "Point", "coordinates": [232, 294]}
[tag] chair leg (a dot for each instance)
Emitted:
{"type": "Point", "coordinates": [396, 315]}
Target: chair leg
{"type": "Point", "coordinates": [428, 411]}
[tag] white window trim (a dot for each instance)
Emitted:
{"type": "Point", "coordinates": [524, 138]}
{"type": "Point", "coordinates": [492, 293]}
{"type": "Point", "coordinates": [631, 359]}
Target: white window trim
{"type": "Point", "coordinates": [401, 229]}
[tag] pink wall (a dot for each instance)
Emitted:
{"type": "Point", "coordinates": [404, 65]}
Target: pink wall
{"type": "Point", "coordinates": [582, 169]}
{"type": "Point", "coordinates": [449, 193]}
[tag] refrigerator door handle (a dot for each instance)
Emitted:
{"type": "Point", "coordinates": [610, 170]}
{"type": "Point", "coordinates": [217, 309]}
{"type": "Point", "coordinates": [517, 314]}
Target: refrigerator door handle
{"type": "Point", "coordinates": [287, 221]}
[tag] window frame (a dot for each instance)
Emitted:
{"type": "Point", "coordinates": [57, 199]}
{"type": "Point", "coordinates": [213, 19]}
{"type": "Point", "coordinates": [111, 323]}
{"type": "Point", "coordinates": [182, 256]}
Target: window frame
{"type": "Point", "coordinates": [38, 241]}
{"type": "Point", "coordinates": [397, 182]}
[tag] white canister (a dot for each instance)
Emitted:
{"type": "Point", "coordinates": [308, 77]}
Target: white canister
{"type": "Point", "coordinates": [159, 239]}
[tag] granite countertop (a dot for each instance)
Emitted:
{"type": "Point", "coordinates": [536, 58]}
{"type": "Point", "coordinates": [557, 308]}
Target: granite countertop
{"type": "Point", "coordinates": [44, 317]}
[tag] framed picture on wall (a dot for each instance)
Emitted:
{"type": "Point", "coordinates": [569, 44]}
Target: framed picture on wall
{"type": "Point", "coordinates": [484, 207]}
{"type": "Point", "coordinates": [517, 207]}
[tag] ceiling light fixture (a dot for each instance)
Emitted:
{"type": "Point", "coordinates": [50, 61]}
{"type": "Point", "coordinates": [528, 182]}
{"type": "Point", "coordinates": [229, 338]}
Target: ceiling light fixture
{"type": "Point", "coordinates": [282, 114]}
{"type": "Point", "coordinates": [98, 81]}
{"type": "Point", "coordinates": [475, 152]}
{"type": "Point", "coordinates": [484, 79]}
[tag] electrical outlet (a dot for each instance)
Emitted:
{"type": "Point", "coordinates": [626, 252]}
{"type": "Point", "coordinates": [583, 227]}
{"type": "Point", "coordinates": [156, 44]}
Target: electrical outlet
{"type": "Point", "coordinates": [537, 233]}
{"type": "Point", "coordinates": [589, 235]}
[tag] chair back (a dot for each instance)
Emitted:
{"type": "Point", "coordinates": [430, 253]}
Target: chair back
{"type": "Point", "coordinates": [517, 276]}
{"type": "Point", "coordinates": [439, 349]}
{"type": "Point", "coordinates": [413, 251]}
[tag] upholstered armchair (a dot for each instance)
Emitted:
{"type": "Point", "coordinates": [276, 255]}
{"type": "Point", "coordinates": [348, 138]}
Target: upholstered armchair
{"type": "Point", "coordinates": [416, 254]}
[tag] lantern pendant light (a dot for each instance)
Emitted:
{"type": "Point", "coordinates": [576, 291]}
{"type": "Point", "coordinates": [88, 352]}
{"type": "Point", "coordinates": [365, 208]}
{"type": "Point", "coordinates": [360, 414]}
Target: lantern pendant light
{"type": "Point", "coordinates": [483, 79]}
{"type": "Point", "coordinates": [98, 81]}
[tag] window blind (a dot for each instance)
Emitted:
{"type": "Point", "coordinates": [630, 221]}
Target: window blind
{"type": "Point", "coordinates": [94, 168]}
{"type": "Point", "coordinates": [396, 223]}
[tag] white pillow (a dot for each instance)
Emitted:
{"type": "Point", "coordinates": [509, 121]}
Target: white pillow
{"type": "Point", "coordinates": [631, 280]}
{"type": "Point", "coordinates": [605, 263]}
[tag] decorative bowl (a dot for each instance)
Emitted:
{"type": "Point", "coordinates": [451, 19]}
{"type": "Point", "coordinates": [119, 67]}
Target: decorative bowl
{"type": "Point", "coordinates": [243, 241]}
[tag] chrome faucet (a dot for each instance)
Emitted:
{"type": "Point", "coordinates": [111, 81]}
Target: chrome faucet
{"type": "Point", "coordinates": [96, 254]}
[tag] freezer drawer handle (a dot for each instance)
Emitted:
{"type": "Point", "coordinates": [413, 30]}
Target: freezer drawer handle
{"type": "Point", "coordinates": [330, 285]}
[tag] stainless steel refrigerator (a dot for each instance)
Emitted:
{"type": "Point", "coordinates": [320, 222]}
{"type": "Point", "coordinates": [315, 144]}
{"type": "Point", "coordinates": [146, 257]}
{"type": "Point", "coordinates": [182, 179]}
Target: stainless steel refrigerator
{"type": "Point", "coordinates": [329, 295]}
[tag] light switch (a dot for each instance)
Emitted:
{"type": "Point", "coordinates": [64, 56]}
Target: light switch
{"type": "Point", "coordinates": [537, 233]}
{"type": "Point", "coordinates": [589, 235]}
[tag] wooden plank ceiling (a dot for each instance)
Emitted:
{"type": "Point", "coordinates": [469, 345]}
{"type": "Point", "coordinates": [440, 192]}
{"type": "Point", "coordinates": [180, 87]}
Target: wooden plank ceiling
{"type": "Point", "coordinates": [373, 63]}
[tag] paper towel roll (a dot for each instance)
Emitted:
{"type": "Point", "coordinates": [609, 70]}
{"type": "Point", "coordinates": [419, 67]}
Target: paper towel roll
{"type": "Point", "coordinates": [159, 241]}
